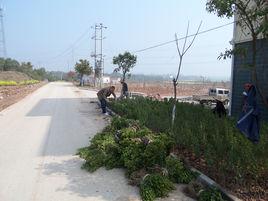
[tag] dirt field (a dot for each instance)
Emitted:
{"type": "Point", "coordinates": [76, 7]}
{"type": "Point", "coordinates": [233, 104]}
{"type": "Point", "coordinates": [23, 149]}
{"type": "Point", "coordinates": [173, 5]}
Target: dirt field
{"type": "Point", "coordinates": [12, 94]}
{"type": "Point", "coordinates": [166, 89]}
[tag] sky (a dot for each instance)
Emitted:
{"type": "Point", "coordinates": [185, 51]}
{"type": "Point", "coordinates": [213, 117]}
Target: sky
{"type": "Point", "coordinates": [57, 33]}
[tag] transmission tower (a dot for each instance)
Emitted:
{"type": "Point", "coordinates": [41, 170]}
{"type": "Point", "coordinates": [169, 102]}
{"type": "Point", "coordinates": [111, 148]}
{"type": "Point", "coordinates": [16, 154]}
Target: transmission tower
{"type": "Point", "coordinates": [3, 51]}
{"type": "Point", "coordinates": [98, 54]}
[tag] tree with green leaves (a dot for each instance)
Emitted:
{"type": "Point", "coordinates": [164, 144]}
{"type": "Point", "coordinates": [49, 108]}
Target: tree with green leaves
{"type": "Point", "coordinates": [83, 68]}
{"type": "Point", "coordinates": [252, 18]}
{"type": "Point", "coordinates": [125, 63]}
{"type": "Point", "coordinates": [9, 64]}
{"type": "Point", "coordinates": [39, 74]}
{"type": "Point", "coordinates": [26, 67]}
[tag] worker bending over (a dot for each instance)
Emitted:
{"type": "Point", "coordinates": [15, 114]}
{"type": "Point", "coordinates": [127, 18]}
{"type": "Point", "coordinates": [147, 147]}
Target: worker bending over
{"type": "Point", "coordinates": [103, 94]}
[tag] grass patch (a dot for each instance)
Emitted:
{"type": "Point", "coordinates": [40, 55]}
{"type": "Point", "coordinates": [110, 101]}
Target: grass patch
{"type": "Point", "coordinates": [13, 83]}
{"type": "Point", "coordinates": [198, 130]}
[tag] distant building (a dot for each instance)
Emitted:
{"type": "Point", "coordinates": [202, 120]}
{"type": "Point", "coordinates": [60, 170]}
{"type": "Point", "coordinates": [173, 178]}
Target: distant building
{"type": "Point", "coordinates": [88, 79]}
{"type": "Point", "coordinates": [242, 74]}
{"type": "Point", "coordinates": [115, 81]}
{"type": "Point", "coordinates": [106, 80]}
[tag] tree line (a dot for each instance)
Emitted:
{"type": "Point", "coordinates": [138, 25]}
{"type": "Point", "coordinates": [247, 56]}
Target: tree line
{"type": "Point", "coordinates": [28, 69]}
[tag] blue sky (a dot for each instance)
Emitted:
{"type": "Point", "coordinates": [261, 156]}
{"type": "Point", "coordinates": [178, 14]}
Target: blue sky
{"type": "Point", "coordinates": [40, 30]}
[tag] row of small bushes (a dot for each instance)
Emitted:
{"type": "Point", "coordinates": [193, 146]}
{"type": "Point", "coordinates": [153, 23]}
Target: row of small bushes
{"type": "Point", "coordinates": [197, 129]}
{"type": "Point", "coordinates": [13, 83]}
{"type": "Point", "coordinates": [143, 153]}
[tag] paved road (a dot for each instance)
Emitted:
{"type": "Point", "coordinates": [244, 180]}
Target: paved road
{"type": "Point", "coordinates": [38, 138]}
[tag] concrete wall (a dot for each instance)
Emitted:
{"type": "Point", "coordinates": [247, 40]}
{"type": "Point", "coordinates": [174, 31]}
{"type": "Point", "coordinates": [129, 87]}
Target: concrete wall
{"type": "Point", "coordinates": [242, 33]}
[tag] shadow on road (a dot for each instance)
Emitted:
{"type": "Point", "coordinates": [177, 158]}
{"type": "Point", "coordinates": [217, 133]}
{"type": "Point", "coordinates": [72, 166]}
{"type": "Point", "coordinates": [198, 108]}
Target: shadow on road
{"type": "Point", "coordinates": [73, 121]}
{"type": "Point", "coordinates": [102, 184]}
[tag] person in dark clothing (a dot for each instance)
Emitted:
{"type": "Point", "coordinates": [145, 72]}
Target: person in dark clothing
{"type": "Point", "coordinates": [103, 94]}
{"type": "Point", "coordinates": [124, 91]}
{"type": "Point", "coordinates": [249, 121]}
{"type": "Point", "coordinates": [219, 109]}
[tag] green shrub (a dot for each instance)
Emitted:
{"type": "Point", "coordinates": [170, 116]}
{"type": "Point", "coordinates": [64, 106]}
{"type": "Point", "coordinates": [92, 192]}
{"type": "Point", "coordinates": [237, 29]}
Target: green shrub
{"type": "Point", "coordinates": [113, 156]}
{"type": "Point", "coordinates": [155, 185]}
{"type": "Point", "coordinates": [95, 158]}
{"type": "Point", "coordinates": [177, 172]}
{"type": "Point", "coordinates": [119, 123]}
{"type": "Point", "coordinates": [147, 193]}
{"type": "Point", "coordinates": [132, 155]}
{"type": "Point", "coordinates": [155, 154]}
{"type": "Point", "coordinates": [157, 150]}
{"type": "Point", "coordinates": [102, 140]}
{"type": "Point", "coordinates": [211, 194]}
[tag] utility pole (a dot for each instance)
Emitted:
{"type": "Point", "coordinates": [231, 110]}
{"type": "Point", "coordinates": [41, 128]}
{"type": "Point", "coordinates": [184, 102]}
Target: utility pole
{"type": "Point", "coordinates": [3, 51]}
{"type": "Point", "coordinates": [98, 53]}
{"type": "Point", "coordinates": [2, 36]}
{"type": "Point", "coordinates": [73, 54]}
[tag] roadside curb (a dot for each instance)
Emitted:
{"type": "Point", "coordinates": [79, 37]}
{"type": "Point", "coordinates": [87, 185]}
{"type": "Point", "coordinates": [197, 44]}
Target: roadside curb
{"type": "Point", "coordinates": [205, 180]}
{"type": "Point", "coordinates": [111, 112]}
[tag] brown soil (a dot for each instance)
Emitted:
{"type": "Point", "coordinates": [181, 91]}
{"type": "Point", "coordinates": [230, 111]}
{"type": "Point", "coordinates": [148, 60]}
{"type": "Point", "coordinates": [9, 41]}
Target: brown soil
{"type": "Point", "coordinates": [12, 94]}
{"type": "Point", "coordinates": [166, 89]}
{"type": "Point", "coordinates": [13, 76]}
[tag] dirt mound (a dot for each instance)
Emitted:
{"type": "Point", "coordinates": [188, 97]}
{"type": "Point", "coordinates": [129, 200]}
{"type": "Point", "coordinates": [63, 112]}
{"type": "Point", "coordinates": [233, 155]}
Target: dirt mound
{"type": "Point", "coordinates": [13, 75]}
{"type": "Point", "coordinates": [12, 94]}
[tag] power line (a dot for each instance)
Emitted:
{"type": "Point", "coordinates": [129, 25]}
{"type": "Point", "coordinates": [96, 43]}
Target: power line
{"type": "Point", "coordinates": [71, 47]}
{"type": "Point", "coordinates": [171, 41]}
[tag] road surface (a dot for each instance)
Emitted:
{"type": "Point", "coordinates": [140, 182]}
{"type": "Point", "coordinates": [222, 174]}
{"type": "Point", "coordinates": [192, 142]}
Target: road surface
{"type": "Point", "coordinates": [38, 139]}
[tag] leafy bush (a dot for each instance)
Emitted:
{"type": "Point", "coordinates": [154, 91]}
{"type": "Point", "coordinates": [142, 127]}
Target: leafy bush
{"type": "Point", "coordinates": [177, 172]}
{"type": "Point", "coordinates": [113, 156]}
{"type": "Point", "coordinates": [157, 150]}
{"type": "Point", "coordinates": [211, 194]}
{"type": "Point", "coordinates": [119, 123]}
{"type": "Point", "coordinates": [95, 158]}
{"type": "Point", "coordinates": [143, 148]}
{"type": "Point", "coordinates": [132, 156]}
{"type": "Point", "coordinates": [155, 185]}
{"type": "Point", "coordinates": [125, 143]}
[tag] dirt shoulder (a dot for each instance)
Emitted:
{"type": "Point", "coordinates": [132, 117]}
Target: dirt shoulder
{"type": "Point", "coordinates": [12, 94]}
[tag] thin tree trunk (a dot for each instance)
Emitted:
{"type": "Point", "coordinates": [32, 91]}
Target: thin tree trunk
{"type": "Point", "coordinates": [175, 101]}
{"type": "Point", "coordinates": [124, 76]}
{"type": "Point", "coordinates": [175, 89]}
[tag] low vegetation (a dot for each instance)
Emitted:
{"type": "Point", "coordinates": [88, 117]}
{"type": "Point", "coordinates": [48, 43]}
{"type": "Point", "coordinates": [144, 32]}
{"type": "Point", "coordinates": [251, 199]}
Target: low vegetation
{"type": "Point", "coordinates": [212, 144]}
{"type": "Point", "coordinates": [146, 156]}
{"type": "Point", "coordinates": [14, 83]}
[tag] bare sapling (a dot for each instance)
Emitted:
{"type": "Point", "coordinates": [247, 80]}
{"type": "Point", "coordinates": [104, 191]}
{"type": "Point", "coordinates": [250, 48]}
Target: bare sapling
{"type": "Point", "coordinates": [182, 52]}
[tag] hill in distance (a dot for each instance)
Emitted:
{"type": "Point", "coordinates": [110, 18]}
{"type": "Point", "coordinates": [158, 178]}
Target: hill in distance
{"type": "Point", "coordinates": [13, 76]}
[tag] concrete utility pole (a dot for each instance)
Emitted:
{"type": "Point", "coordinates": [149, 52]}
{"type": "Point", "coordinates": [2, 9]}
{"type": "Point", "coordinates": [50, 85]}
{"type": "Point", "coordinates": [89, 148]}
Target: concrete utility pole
{"type": "Point", "coordinates": [3, 51]}
{"type": "Point", "coordinates": [98, 54]}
